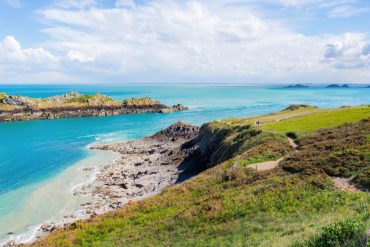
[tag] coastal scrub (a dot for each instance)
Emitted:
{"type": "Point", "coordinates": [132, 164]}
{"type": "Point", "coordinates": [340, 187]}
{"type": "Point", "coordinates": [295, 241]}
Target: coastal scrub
{"type": "Point", "coordinates": [232, 204]}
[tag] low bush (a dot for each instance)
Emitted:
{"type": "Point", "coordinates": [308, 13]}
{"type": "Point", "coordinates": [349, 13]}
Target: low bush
{"type": "Point", "coordinates": [346, 233]}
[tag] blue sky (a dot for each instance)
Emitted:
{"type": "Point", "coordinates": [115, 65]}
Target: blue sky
{"type": "Point", "coordinates": [219, 41]}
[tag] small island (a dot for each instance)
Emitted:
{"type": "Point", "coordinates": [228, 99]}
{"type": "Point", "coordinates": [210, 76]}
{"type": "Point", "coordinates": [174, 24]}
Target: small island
{"type": "Point", "coordinates": [337, 86]}
{"type": "Point", "coordinates": [73, 104]}
{"type": "Point", "coordinates": [297, 86]}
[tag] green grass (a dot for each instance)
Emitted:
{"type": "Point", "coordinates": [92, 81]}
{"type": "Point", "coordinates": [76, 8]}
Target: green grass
{"type": "Point", "coordinates": [322, 119]}
{"type": "Point", "coordinates": [346, 233]}
{"type": "Point", "coordinates": [230, 205]}
{"type": "Point", "coordinates": [222, 207]}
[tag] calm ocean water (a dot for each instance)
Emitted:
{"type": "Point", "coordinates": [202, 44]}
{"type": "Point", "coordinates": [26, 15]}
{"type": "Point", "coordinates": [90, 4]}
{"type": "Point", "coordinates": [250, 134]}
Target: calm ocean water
{"type": "Point", "coordinates": [34, 152]}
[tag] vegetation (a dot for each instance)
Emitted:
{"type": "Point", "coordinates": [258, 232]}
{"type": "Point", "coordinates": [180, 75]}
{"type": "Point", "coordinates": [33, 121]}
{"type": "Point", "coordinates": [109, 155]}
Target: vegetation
{"type": "Point", "coordinates": [319, 119]}
{"type": "Point", "coordinates": [147, 101]}
{"type": "Point", "coordinates": [73, 100]}
{"type": "Point", "coordinates": [232, 204]}
{"type": "Point", "coordinates": [91, 99]}
{"type": "Point", "coordinates": [342, 151]}
{"type": "Point", "coordinates": [348, 233]}
{"type": "Point", "coordinates": [2, 95]}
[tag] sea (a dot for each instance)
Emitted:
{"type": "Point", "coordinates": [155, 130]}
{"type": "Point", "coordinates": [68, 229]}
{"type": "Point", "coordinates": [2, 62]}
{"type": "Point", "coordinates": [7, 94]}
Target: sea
{"type": "Point", "coordinates": [43, 161]}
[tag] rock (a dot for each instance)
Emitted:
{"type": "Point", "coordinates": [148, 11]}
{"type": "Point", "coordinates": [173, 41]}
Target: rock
{"type": "Point", "coordinates": [48, 227]}
{"type": "Point", "coordinates": [17, 101]}
{"type": "Point", "coordinates": [139, 186]}
{"type": "Point", "coordinates": [297, 86]}
{"type": "Point", "coordinates": [337, 86]}
{"type": "Point", "coordinates": [64, 98]}
{"type": "Point", "coordinates": [179, 129]}
{"type": "Point", "coordinates": [10, 244]}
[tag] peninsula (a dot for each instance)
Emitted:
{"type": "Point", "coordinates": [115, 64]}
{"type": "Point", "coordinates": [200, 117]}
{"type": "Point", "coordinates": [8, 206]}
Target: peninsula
{"type": "Point", "coordinates": [73, 104]}
{"type": "Point", "coordinates": [299, 178]}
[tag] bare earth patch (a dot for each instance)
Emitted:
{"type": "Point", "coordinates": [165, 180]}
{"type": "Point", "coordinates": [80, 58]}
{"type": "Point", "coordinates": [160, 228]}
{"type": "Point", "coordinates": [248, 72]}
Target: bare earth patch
{"type": "Point", "coordinates": [344, 184]}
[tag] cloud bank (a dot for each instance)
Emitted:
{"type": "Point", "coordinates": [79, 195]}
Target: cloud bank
{"type": "Point", "coordinates": [173, 41]}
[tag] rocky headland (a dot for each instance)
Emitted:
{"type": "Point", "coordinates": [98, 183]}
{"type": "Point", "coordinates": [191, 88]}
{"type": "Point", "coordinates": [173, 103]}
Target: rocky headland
{"type": "Point", "coordinates": [73, 104]}
{"type": "Point", "coordinates": [297, 86]}
{"type": "Point", "coordinates": [146, 167]}
{"type": "Point", "coordinates": [337, 86]}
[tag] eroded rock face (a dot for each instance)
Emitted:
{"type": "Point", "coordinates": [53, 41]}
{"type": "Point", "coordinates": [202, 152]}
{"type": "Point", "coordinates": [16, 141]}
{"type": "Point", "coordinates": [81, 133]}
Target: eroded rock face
{"type": "Point", "coordinates": [147, 166]}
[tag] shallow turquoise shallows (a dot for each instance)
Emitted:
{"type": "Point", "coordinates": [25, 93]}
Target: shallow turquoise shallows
{"type": "Point", "coordinates": [32, 153]}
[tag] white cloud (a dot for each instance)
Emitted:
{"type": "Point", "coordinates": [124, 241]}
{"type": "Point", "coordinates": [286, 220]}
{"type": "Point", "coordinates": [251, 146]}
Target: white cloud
{"type": "Point", "coordinates": [167, 39]}
{"type": "Point", "coordinates": [25, 64]}
{"type": "Point", "coordinates": [349, 51]}
{"type": "Point", "coordinates": [181, 38]}
{"type": "Point", "coordinates": [12, 52]}
{"type": "Point", "coordinates": [78, 56]}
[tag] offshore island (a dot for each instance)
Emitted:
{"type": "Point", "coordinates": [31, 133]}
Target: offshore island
{"type": "Point", "coordinates": [73, 104]}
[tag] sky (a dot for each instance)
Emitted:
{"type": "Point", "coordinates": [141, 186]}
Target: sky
{"type": "Point", "coordinates": [195, 41]}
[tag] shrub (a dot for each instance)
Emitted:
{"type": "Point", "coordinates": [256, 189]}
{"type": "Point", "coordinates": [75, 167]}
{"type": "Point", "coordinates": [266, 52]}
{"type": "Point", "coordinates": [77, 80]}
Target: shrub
{"type": "Point", "coordinates": [147, 101]}
{"type": "Point", "coordinates": [344, 233]}
{"type": "Point", "coordinates": [2, 96]}
{"type": "Point", "coordinates": [292, 135]}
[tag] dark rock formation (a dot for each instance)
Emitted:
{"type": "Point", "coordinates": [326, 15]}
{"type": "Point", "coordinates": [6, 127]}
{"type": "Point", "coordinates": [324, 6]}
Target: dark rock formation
{"type": "Point", "coordinates": [179, 129]}
{"type": "Point", "coordinates": [337, 86]}
{"type": "Point", "coordinates": [297, 86]}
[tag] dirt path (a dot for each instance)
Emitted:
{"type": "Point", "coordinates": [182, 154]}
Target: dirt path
{"type": "Point", "coordinates": [339, 183]}
{"type": "Point", "coordinates": [344, 184]}
{"type": "Point", "coordinates": [292, 144]}
{"type": "Point", "coordinates": [269, 165]}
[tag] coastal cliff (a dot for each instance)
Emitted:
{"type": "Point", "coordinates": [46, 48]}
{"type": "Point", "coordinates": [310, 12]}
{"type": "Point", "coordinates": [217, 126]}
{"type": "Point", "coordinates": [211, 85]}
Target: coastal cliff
{"type": "Point", "coordinates": [246, 175]}
{"type": "Point", "coordinates": [73, 104]}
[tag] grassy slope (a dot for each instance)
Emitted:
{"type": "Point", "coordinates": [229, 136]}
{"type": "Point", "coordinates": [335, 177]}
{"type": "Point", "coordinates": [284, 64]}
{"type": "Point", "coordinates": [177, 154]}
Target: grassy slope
{"type": "Point", "coordinates": [230, 205]}
{"type": "Point", "coordinates": [321, 119]}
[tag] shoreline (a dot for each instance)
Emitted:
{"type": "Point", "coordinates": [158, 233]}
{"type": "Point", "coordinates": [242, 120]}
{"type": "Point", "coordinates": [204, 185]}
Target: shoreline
{"type": "Point", "coordinates": [39, 209]}
{"type": "Point", "coordinates": [137, 169]}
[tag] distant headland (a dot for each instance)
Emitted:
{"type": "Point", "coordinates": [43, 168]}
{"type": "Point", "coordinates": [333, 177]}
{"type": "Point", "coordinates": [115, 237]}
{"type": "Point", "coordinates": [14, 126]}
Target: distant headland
{"type": "Point", "coordinates": [337, 86]}
{"type": "Point", "coordinates": [297, 86]}
{"type": "Point", "coordinates": [73, 104]}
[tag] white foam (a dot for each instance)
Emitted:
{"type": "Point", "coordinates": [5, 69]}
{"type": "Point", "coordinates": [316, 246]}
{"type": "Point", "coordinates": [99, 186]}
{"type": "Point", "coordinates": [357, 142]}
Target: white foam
{"type": "Point", "coordinates": [53, 199]}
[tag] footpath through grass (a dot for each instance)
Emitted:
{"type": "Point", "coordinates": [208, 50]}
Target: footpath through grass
{"type": "Point", "coordinates": [320, 119]}
{"type": "Point", "coordinates": [233, 205]}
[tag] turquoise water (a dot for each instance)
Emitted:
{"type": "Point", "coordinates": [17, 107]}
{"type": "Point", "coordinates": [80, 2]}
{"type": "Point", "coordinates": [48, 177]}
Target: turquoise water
{"type": "Point", "coordinates": [34, 152]}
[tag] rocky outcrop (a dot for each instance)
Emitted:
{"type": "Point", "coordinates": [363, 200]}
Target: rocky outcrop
{"type": "Point", "coordinates": [179, 129]}
{"type": "Point", "coordinates": [64, 98]}
{"type": "Point", "coordinates": [337, 86]}
{"type": "Point", "coordinates": [297, 86]}
{"type": "Point", "coordinates": [71, 105]}
{"type": "Point", "coordinates": [298, 106]}
{"type": "Point", "coordinates": [147, 166]}
{"type": "Point", "coordinates": [17, 101]}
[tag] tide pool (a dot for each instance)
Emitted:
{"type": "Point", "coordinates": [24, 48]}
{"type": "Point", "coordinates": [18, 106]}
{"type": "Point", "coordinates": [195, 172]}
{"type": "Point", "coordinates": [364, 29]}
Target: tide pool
{"type": "Point", "coordinates": [33, 155]}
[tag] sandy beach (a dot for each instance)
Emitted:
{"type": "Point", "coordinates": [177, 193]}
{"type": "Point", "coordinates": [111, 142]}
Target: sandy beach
{"type": "Point", "coordinates": [133, 170]}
